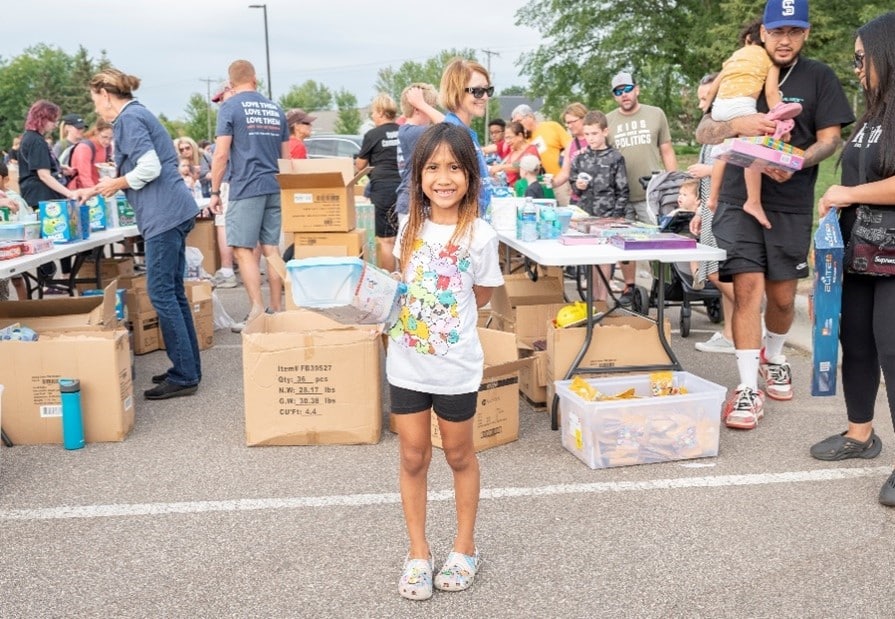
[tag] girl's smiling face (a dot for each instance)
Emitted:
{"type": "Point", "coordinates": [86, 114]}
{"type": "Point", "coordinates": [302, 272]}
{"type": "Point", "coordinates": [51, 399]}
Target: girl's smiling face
{"type": "Point", "coordinates": [445, 184]}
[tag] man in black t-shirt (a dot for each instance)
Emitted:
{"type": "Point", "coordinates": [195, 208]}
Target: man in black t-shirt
{"type": "Point", "coordinates": [769, 262]}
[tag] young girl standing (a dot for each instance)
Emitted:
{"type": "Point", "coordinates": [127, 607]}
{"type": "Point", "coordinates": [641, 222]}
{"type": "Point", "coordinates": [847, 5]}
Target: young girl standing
{"type": "Point", "coordinates": [448, 259]}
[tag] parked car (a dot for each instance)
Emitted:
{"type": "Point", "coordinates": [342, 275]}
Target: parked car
{"type": "Point", "coordinates": [327, 146]}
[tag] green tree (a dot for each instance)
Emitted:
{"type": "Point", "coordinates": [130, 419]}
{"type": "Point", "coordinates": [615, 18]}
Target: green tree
{"type": "Point", "coordinates": [201, 118]}
{"type": "Point", "coordinates": [514, 91]}
{"type": "Point", "coordinates": [394, 81]}
{"type": "Point", "coordinates": [667, 44]}
{"type": "Point", "coordinates": [349, 120]}
{"type": "Point", "coordinates": [309, 96]}
{"type": "Point", "coordinates": [174, 128]}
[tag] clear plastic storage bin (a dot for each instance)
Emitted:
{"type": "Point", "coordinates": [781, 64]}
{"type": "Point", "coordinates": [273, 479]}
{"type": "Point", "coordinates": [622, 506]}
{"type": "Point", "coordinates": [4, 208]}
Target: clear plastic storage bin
{"type": "Point", "coordinates": [647, 429]}
{"type": "Point", "coordinates": [348, 290]}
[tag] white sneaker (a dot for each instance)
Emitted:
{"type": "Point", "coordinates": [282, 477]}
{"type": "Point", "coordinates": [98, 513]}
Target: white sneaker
{"type": "Point", "coordinates": [716, 343]}
{"type": "Point", "coordinates": [224, 281]}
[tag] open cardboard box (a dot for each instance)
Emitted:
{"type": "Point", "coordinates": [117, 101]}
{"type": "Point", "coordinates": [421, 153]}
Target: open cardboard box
{"type": "Point", "coordinates": [63, 313]}
{"type": "Point", "coordinates": [317, 195]}
{"type": "Point", "coordinates": [308, 380]}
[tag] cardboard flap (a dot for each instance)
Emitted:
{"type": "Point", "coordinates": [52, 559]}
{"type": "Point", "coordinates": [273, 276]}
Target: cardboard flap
{"type": "Point", "coordinates": [312, 173]}
{"type": "Point", "coordinates": [501, 356]}
{"type": "Point", "coordinates": [64, 313]}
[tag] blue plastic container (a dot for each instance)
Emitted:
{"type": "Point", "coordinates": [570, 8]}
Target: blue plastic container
{"type": "Point", "coordinates": [348, 290]}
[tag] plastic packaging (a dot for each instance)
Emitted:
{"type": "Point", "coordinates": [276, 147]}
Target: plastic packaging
{"type": "Point", "coordinates": [72, 421]}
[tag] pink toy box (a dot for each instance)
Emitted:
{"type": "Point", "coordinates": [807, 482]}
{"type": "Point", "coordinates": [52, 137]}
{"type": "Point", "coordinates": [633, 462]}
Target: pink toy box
{"type": "Point", "coordinates": [761, 153]}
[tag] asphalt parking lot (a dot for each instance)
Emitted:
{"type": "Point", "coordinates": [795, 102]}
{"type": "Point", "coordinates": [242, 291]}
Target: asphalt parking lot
{"type": "Point", "coordinates": [183, 520]}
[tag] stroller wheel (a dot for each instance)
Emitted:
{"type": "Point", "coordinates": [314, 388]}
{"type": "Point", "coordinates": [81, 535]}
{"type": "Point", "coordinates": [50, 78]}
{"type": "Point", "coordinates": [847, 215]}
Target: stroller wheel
{"type": "Point", "coordinates": [640, 300]}
{"type": "Point", "coordinates": [713, 309]}
{"type": "Point", "coordinates": [685, 321]}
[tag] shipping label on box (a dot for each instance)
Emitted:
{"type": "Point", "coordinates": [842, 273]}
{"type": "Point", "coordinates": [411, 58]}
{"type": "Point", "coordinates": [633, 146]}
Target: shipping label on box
{"type": "Point", "coordinates": [828, 256]}
{"type": "Point", "coordinates": [309, 380]}
{"type": "Point", "coordinates": [100, 360]}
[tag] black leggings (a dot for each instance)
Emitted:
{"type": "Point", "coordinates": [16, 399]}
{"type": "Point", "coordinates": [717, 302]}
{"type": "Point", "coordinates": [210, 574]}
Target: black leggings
{"type": "Point", "coordinates": [867, 334]}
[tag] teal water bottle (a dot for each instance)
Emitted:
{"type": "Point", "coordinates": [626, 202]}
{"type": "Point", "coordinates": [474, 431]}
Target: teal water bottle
{"type": "Point", "coordinates": [72, 421]}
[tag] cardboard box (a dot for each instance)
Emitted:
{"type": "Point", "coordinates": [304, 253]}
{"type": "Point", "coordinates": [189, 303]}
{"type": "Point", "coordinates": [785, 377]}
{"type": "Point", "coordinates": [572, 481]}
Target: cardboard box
{"type": "Point", "coordinates": [530, 326]}
{"type": "Point", "coordinates": [644, 429]}
{"type": "Point", "coordinates": [147, 336]}
{"type": "Point", "coordinates": [53, 315]}
{"type": "Point", "coordinates": [32, 409]}
{"type": "Point", "coordinates": [204, 238]}
{"type": "Point", "coordinates": [309, 380]}
{"type": "Point", "coordinates": [109, 269]}
{"type": "Point", "coordinates": [198, 293]}
{"type": "Point", "coordinates": [828, 256]}
{"type": "Point", "coordinates": [497, 410]}
{"type": "Point", "coordinates": [618, 340]}
{"type": "Point", "coordinates": [328, 243]}
{"type": "Point", "coordinates": [519, 289]}
{"type": "Point", "coordinates": [317, 195]}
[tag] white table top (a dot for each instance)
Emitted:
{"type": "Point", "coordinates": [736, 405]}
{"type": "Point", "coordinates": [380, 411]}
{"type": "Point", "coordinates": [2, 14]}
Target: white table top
{"type": "Point", "coordinates": [553, 253]}
{"type": "Point", "coordinates": [17, 266]}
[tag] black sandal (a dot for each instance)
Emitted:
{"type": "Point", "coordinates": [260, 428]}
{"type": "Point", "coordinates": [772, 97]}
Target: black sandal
{"type": "Point", "coordinates": [842, 447]}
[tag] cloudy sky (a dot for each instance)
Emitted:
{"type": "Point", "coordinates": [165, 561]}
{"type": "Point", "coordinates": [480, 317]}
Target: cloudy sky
{"type": "Point", "coordinates": [173, 45]}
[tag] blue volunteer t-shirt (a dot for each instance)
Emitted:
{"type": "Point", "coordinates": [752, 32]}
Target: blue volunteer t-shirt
{"type": "Point", "coordinates": [165, 202]}
{"type": "Point", "coordinates": [258, 128]}
{"type": "Point", "coordinates": [485, 191]}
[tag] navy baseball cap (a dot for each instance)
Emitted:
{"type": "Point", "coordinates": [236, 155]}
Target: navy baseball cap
{"type": "Point", "coordinates": [783, 13]}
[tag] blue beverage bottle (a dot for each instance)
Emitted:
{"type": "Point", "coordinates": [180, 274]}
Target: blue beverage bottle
{"type": "Point", "coordinates": [72, 421]}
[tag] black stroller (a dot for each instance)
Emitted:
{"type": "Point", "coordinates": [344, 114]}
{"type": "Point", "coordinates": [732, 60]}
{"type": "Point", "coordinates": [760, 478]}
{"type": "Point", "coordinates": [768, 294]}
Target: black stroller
{"type": "Point", "coordinates": [662, 189]}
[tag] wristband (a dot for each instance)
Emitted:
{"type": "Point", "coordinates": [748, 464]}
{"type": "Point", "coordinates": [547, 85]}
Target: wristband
{"type": "Point", "coordinates": [215, 193]}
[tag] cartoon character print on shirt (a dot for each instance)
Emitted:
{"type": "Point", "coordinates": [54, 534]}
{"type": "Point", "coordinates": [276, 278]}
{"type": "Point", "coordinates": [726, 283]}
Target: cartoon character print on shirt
{"type": "Point", "coordinates": [429, 321]}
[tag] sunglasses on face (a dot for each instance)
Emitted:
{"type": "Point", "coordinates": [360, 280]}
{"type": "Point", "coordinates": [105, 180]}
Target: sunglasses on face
{"type": "Point", "coordinates": [480, 91]}
{"type": "Point", "coordinates": [183, 148]}
{"type": "Point", "coordinates": [622, 90]}
{"type": "Point", "coordinates": [859, 60]}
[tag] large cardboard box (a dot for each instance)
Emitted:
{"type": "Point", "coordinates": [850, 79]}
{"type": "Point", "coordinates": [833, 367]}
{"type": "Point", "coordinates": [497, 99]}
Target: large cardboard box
{"type": "Point", "coordinates": [198, 294]}
{"type": "Point", "coordinates": [497, 410]}
{"type": "Point", "coordinates": [530, 326]}
{"type": "Point", "coordinates": [204, 238]}
{"type": "Point", "coordinates": [309, 380]}
{"type": "Point", "coordinates": [618, 340]}
{"type": "Point", "coordinates": [30, 371]}
{"type": "Point", "coordinates": [317, 195]}
{"type": "Point", "coordinates": [328, 243]}
{"type": "Point", "coordinates": [519, 289]}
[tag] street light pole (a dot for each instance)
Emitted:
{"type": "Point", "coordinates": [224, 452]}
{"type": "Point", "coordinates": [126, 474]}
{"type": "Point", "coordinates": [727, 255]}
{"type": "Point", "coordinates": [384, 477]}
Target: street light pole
{"type": "Point", "coordinates": [266, 47]}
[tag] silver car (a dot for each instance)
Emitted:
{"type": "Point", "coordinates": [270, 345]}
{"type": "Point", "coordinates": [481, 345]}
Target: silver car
{"type": "Point", "coordinates": [327, 146]}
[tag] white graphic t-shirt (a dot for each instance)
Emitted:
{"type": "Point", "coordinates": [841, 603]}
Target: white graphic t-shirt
{"type": "Point", "coordinates": [435, 347]}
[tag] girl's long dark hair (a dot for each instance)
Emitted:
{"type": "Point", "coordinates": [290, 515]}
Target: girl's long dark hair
{"type": "Point", "coordinates": [879, 56]}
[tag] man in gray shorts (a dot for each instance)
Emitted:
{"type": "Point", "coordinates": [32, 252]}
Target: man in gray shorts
{"type": "Point", "coordinates": [769, 262]}
{"type": "Point", "coordinates": [641, 134]}
{"type": "Point", "coordinates": [252, 134]}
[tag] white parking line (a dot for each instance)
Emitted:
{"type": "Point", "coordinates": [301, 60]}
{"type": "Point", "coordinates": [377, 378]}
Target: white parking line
{"type": "Point", "coordinates": [359, 500]}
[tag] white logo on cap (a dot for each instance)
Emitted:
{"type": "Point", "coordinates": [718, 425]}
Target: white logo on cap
{"type": "Point", "coordinates": [789, 8]}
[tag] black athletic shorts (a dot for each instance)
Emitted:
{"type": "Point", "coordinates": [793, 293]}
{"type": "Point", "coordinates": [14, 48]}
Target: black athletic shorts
{"type": "Point", "coordinates": [458, 407]}
{"type": "Point", "coordinates": [384, 197]}
{"type": "Point", "coordinates": [781, 253]}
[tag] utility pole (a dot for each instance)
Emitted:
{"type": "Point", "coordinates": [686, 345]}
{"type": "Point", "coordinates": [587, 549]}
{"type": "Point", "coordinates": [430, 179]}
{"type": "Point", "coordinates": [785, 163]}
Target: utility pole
{"type": "Point", "coordinates": [208, 81]}
{"type": "Point", "coordinates": [488, 53]}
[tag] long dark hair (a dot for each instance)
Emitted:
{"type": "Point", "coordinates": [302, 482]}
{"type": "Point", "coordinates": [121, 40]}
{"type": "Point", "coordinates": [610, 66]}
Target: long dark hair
{"type": "Point", "coordinates": [457, 140]}
{"type": "Point", "coordinates": [879, 55]}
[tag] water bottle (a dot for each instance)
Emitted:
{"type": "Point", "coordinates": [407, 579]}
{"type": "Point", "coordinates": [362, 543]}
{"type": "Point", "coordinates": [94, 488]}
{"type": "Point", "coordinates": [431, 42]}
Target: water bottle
{"type": "Point", "coordinates": [197, 192]}
{"type": "Point", "coordinates": [72, 421]}
{"type": "Point", "coordinates": [529, 221]}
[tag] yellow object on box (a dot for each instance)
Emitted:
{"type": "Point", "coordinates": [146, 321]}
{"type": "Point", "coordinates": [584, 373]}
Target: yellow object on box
{"type": "Point", "coordinates": [571, 314]}
{"type": "Point", "coordinates": [663, 383]}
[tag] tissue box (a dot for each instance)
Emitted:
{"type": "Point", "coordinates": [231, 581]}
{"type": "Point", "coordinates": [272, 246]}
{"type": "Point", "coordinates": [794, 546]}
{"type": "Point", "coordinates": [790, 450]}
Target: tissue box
{"type": "Point", "coordinates": [647, 429]}
{"type": "Point", "coordinates": [761, 153]}
{"type": "Point", "coordinates": [19, 231]}
{"type": "Point", "coordinates": [828, 255]}
{"type": "Point", "coordinates": [96, 207]}
{"type": "Point", "coordinates": [64, 221]}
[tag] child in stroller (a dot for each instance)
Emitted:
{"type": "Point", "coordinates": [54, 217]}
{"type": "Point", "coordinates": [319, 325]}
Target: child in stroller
{"type": "Point", "coordinates": [672, 198]}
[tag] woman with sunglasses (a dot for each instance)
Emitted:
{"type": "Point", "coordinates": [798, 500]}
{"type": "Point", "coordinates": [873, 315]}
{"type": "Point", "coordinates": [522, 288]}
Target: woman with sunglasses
{"type": "Point", "coordinates": [187, 148]}
{"type": "Point", "coordinates": [516, 138]}
{"type": "Point", "coordinates": [868, 342]}
{"type": "Point", "coordinates": [465, 91]}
